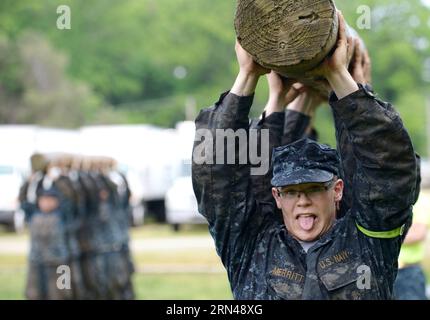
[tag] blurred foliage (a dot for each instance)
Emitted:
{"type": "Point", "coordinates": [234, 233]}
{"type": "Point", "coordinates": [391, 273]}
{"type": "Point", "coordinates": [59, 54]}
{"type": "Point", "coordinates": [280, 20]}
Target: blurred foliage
{"type": "Point", "coordinates": [135, 61]}
{"type": "Point", "coordinates": [35, 88]}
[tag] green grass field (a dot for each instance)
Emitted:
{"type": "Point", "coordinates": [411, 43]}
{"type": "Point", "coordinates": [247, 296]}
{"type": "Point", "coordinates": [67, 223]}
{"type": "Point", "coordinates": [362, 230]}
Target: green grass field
{"type": "Point", "coordinates": [154, 230]}
{"type": "Point", "coordinates": [174, 274]}
{"type": "Point", "coordinates": [147, 286]}
{"type": "Point", "coordinates": [164, 285]}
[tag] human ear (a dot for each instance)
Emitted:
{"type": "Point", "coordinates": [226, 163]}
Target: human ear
{"type": "Point", "coordinates": [277, 197]}
{"type": "Point", "coordinates": [338, 190]}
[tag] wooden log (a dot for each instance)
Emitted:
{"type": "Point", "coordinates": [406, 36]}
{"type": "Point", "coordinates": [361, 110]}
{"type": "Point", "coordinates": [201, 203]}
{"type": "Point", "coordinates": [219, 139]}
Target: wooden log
{"type": "Point", "coordinates": [290, 37]}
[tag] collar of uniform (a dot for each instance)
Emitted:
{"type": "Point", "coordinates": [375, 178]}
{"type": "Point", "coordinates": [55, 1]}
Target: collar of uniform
{"type": "Point", "coordinates": [326, 238]}
{"type": "Point", "coordinates": [292, 242]}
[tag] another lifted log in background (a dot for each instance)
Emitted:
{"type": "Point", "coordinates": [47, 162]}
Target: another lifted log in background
{"type": "Point", "coordinates": [288, 36]}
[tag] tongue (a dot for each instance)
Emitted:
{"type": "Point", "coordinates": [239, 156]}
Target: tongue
{"type": "Point", "coordinates": [306, 222]}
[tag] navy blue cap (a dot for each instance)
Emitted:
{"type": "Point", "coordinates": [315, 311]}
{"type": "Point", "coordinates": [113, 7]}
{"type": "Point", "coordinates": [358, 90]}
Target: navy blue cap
{"type": "Point", "coordinates": [50, 192]}
{"type": "Point", "coordinates": [304, 161]}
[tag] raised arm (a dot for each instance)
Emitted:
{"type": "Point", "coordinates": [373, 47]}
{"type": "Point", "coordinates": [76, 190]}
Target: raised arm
{"type": "Point", "coordinates": [223, 190]}
{"type": "Point", "coordinates": [383, 177]}
{"type": "Point", "coordinates": [299, 114]}
{"type": "Point", "coordinates": [269, 129]}
{"type": "Point", "coordinates": [286, 117]}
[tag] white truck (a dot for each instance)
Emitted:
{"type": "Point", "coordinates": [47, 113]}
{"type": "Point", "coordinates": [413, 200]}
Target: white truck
{"type": "Point", "coordinates": [181, 203]}
{"type": "Point", "coordinates": [16, 147]}
{"type": "Point", "coordinates": [11, 180]}
{"type": "Point", "coordinates": [145, 155]}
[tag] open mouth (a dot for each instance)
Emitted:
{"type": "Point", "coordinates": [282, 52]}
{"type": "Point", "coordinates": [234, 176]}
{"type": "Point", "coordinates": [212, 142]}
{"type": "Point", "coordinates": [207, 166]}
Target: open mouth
{"type": "Point", "coordinates": [306, 221]}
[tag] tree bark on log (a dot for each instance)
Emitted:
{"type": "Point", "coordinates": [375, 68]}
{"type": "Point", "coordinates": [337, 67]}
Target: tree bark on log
{"type": "Point", "coordinates": [288, 36]}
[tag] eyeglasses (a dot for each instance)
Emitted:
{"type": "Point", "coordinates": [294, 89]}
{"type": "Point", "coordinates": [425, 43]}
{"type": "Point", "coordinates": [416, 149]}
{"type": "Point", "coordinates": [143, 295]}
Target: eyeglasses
{"type": "Point", "coordinates": [311, 192]}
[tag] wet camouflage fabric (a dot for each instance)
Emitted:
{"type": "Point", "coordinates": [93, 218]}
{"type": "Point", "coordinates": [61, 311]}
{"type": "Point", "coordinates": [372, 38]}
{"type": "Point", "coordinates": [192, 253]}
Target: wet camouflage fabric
{"type": "Point", "coordinates": [410, 284]}
{"type": "Point", "coordinates": [295, 126]}
{"type": "Point", "coordinates": [262, 260]}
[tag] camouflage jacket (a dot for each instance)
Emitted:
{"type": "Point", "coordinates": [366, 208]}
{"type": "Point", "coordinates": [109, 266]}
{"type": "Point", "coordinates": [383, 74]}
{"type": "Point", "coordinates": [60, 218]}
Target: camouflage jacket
{"type": "Point", "coordinates": [48, 239]}
{"type": "Point", "coordinates": [357, 258]}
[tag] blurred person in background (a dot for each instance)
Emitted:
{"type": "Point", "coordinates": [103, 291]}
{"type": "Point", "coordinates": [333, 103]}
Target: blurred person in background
{"type": "Point", "coordinates": [77, 212]}
{"type": "Point", "coordinates": [49, 248]}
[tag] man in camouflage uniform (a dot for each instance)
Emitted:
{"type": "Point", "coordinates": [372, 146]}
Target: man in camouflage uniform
{"type": "Point", "coordinates": [111, 213]}
{"type": "Point", "coordinates": [311, 255]}
{"type": "Point", "coordinates": [49, 248]}
{"type": "Point", "coordinates": [122, 265]}
{"type": "Point", "coordinates": [107, 270]}
{"type": "Point", "coordinates": [88, 232]}
{"type": "Point", "coordinates": [28, 191]}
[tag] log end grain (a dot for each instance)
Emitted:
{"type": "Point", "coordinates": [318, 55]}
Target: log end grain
{"type": "Point", "coordinates": [288, 36]}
